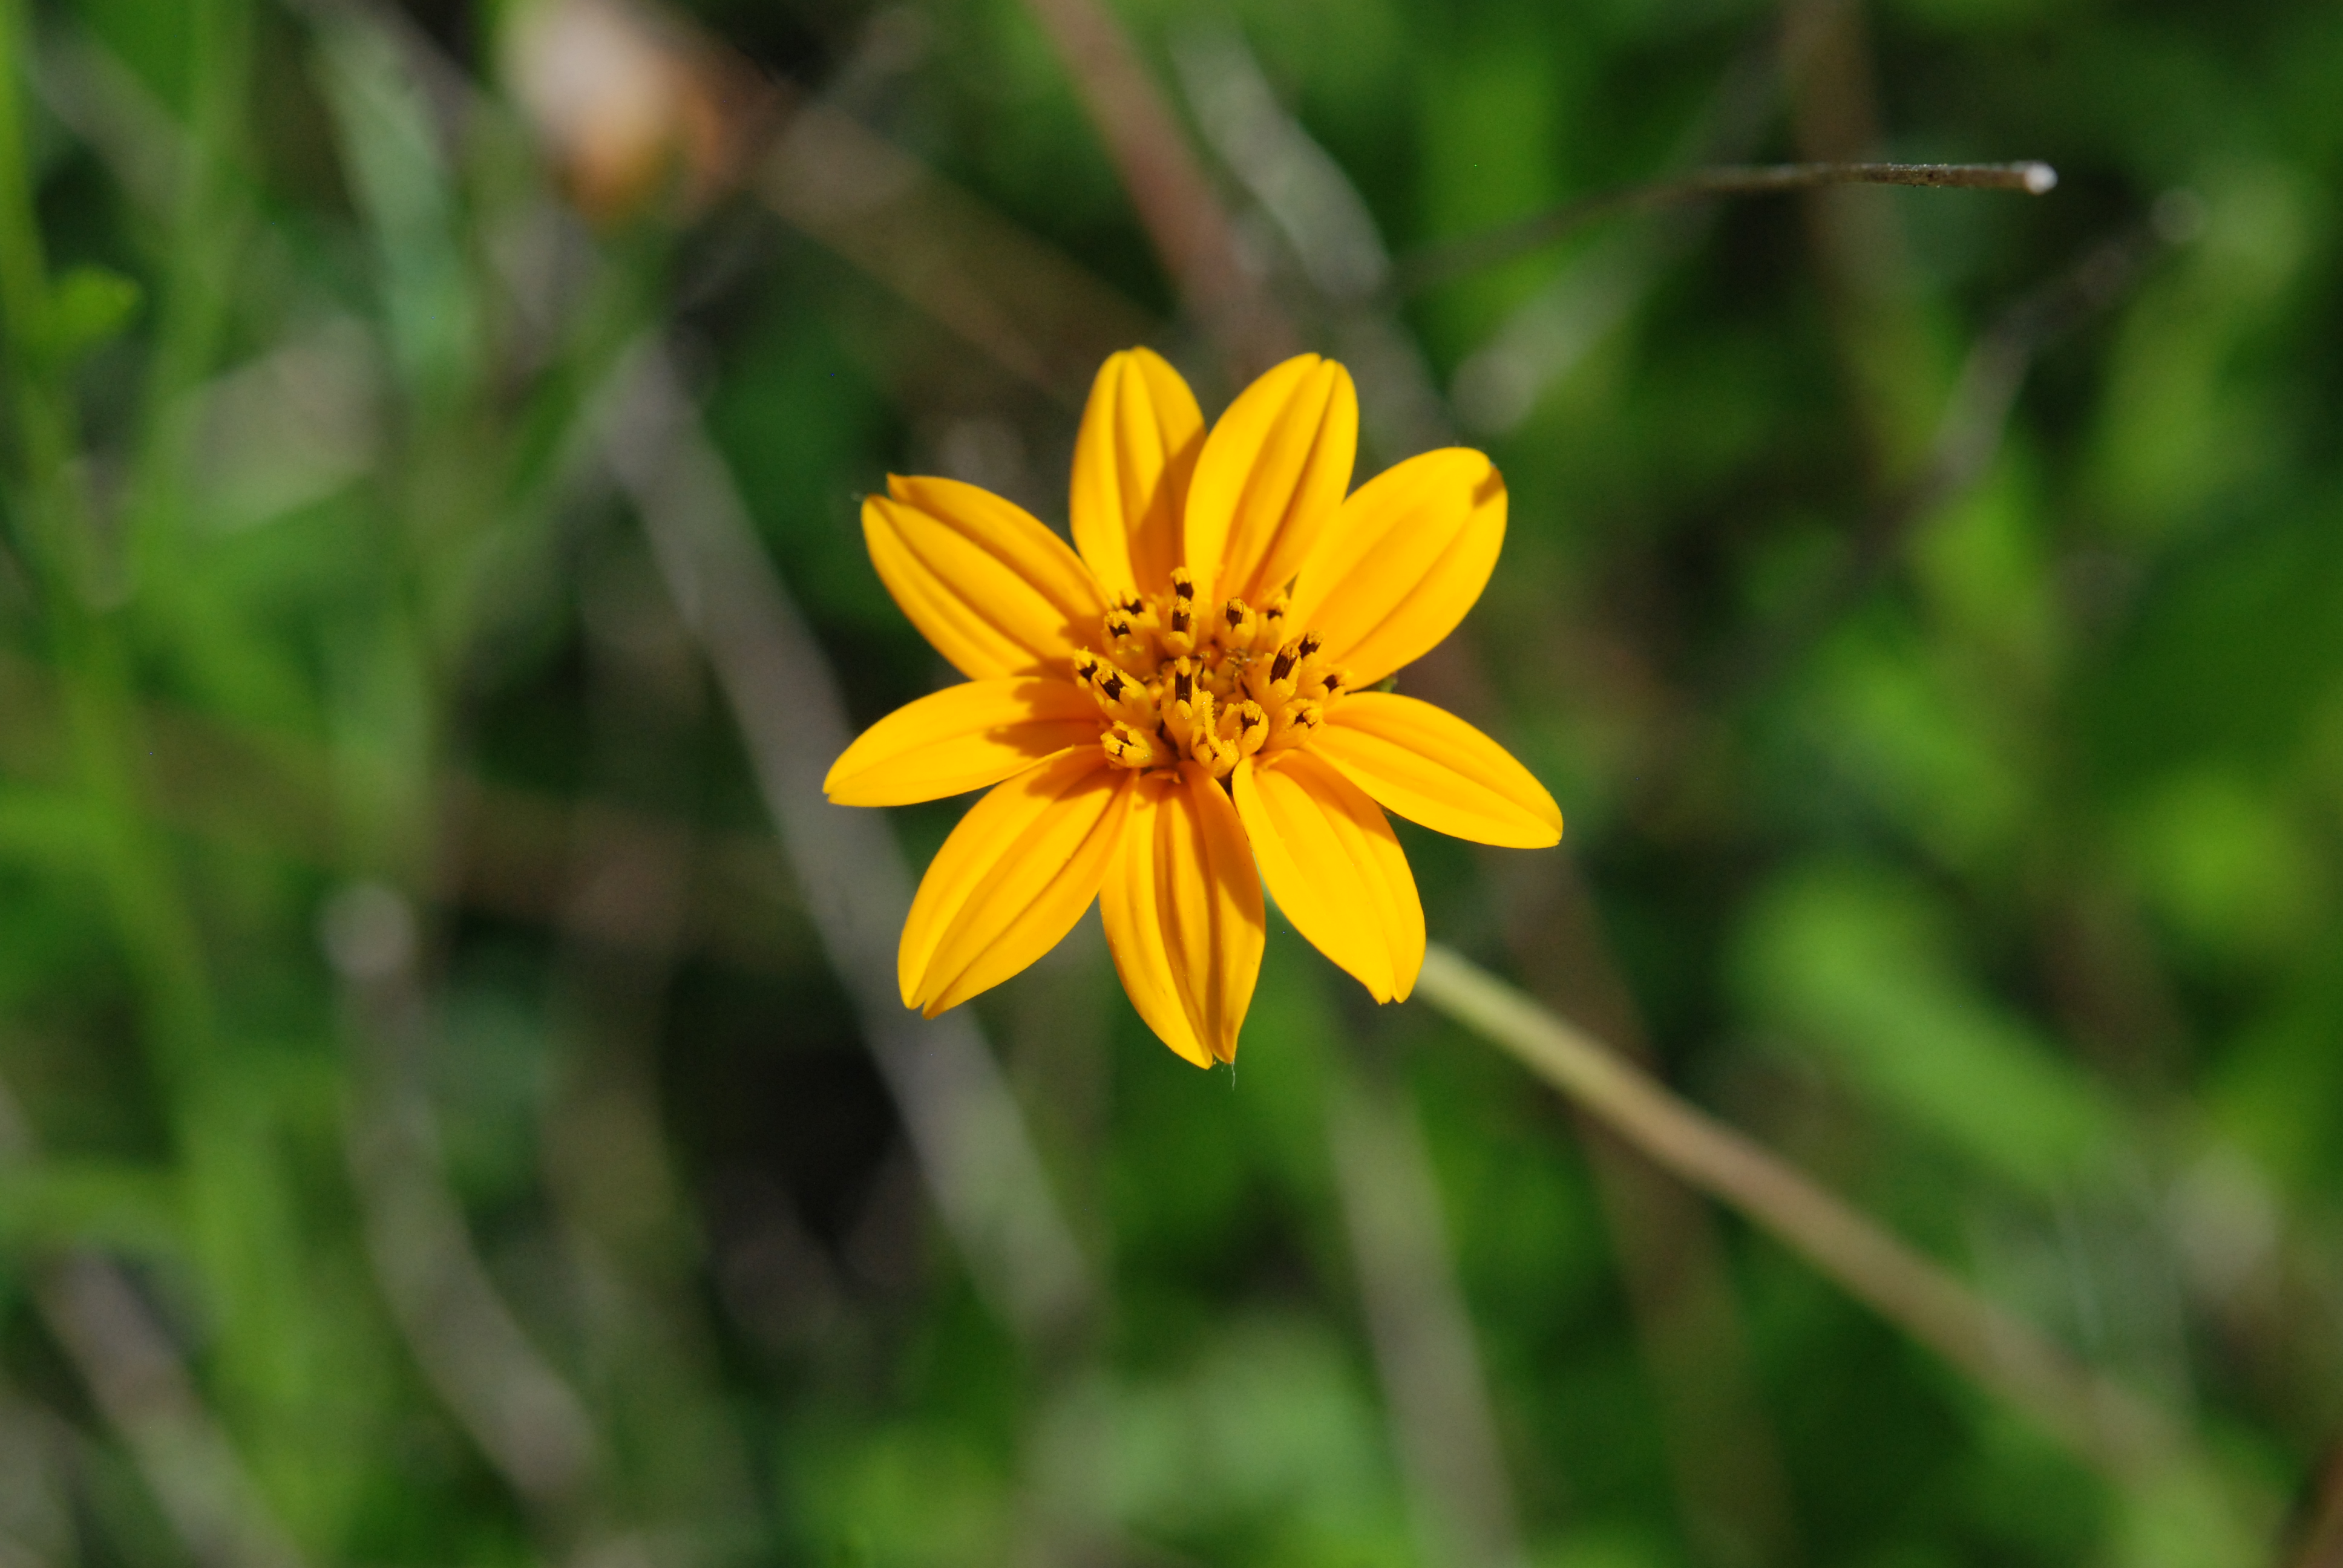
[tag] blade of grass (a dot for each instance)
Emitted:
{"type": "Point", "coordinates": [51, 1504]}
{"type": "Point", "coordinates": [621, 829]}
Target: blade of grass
{"type": "Point", "coordinates": [211, 215]}
{"type": "Point", "coordinates": [623, 1197]}
{"type": "Point", "coordinates": [258, 1283]}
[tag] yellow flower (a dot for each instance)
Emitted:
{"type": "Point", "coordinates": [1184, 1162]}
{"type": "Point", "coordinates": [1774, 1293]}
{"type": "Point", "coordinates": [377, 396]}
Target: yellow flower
{"type": "Point", "coordinates": [1180, 711]}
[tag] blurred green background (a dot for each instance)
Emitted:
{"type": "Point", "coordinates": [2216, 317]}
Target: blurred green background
{"type": "Point", "coordinates": [443, 1113]}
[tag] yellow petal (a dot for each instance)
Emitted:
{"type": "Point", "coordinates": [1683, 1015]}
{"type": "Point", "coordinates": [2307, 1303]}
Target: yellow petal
{"type": "Point", "coordinates": [1431, 767]}
{"type": "Point", "coordinates": [1012, 880]}
{"type": "Point", "coordinates": [1130, 904]}
{"type": "Point", "coordinates": [995, 591]}
{"type": "Point", "coordinates": [1335, 868]}
{"type": "Point", "coordinates": [963, 738]}
{"type": "Point", "coordinates": [1270, 475]}
{"type": "Point", "coordinates": [1140, 437]}
{"type": "Point", "coordinates": [1183, 914]}
{"type": "Point", "coordinates": [1404, 560]}
{"type": "Point", "coordinates": [991, 828]}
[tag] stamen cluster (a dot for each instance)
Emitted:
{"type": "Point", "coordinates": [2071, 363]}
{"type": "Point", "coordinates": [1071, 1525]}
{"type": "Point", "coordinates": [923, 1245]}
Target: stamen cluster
{"type": "Point", "coordinates": [1214, 689]}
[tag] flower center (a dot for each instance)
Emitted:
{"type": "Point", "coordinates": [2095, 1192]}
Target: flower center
{"type": "Point", "coordinates": [1230, 686]}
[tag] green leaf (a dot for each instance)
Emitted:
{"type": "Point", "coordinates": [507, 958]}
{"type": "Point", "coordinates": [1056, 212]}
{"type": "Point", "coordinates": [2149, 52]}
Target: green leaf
{"type": "Point", "coordinates": [1859, 964]}
{"type": "Point", "coordinates": [88, 306]}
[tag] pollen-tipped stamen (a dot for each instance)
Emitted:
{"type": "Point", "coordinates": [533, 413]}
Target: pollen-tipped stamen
{"type": "Point", "coordinates": [1213, 687]}
{"type": "Point", "coordinates": [1129, 748]}
{"type": "Point", "coordinates": [1239, 625]}
{"type": "Point", "coordinates": [1180, 624]}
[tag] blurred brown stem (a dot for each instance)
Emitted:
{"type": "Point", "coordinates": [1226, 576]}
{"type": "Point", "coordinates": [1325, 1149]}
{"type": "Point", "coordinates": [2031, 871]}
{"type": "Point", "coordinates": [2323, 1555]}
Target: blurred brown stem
{"type": "Point", "coordinates": [1176, 202]}
{"type": "Point", "coordinates": [2104, 1424]}
{"type": "Point", "coordinates": [2321, 1543]}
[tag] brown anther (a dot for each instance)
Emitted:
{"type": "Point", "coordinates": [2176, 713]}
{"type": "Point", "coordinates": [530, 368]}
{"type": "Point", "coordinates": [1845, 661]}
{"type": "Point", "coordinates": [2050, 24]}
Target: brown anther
{"type": "Point", "coordinates": [1241, 624]}
{"type": "Point", "coordinates": [1252, 728]}
{"type": "Point", "coordinates": [1127, 748]}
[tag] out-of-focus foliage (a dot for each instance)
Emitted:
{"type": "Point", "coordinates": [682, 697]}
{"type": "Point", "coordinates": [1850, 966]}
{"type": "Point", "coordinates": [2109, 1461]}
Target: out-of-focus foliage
{"type": "Point", "coordinates": [434, 1130]}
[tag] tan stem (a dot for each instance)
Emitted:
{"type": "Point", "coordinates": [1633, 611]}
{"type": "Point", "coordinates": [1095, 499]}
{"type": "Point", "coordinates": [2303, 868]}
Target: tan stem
{"type": "Point", "coordinates": [1183, 214]}
{"type": "Point", "coordinates": [2105, 1424]}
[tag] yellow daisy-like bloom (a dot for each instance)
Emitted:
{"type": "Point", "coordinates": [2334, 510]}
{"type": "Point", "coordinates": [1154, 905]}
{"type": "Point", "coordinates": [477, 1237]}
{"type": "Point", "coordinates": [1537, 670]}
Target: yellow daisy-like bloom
{"type": "Point", "coordinates": [1180, 711]}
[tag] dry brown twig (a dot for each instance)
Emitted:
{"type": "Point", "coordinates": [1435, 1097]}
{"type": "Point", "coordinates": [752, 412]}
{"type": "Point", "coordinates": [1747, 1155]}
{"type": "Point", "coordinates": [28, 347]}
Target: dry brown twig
{"type": "Point", "coordinates": [2321, 1542]}
{"type": "Point", "coordinates": [1440, 264]}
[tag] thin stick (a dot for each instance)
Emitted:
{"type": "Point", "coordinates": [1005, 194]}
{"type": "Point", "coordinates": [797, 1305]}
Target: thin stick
{"type": "Point", "coordinates": [2321, 1543]}
{"type": "Point", "coordinates": [517, 1407]}
{"type": "Point", "coordinates": [139, 1382]}
{"type": "Point", "coordinates": [1440, 263]}
{"type": "Point", "coordinates": [1969, 435]}
{"type": "Point", "coordinates": [2106, 1426]}
{"type": "Point", "coordinates": [965, 1127]}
